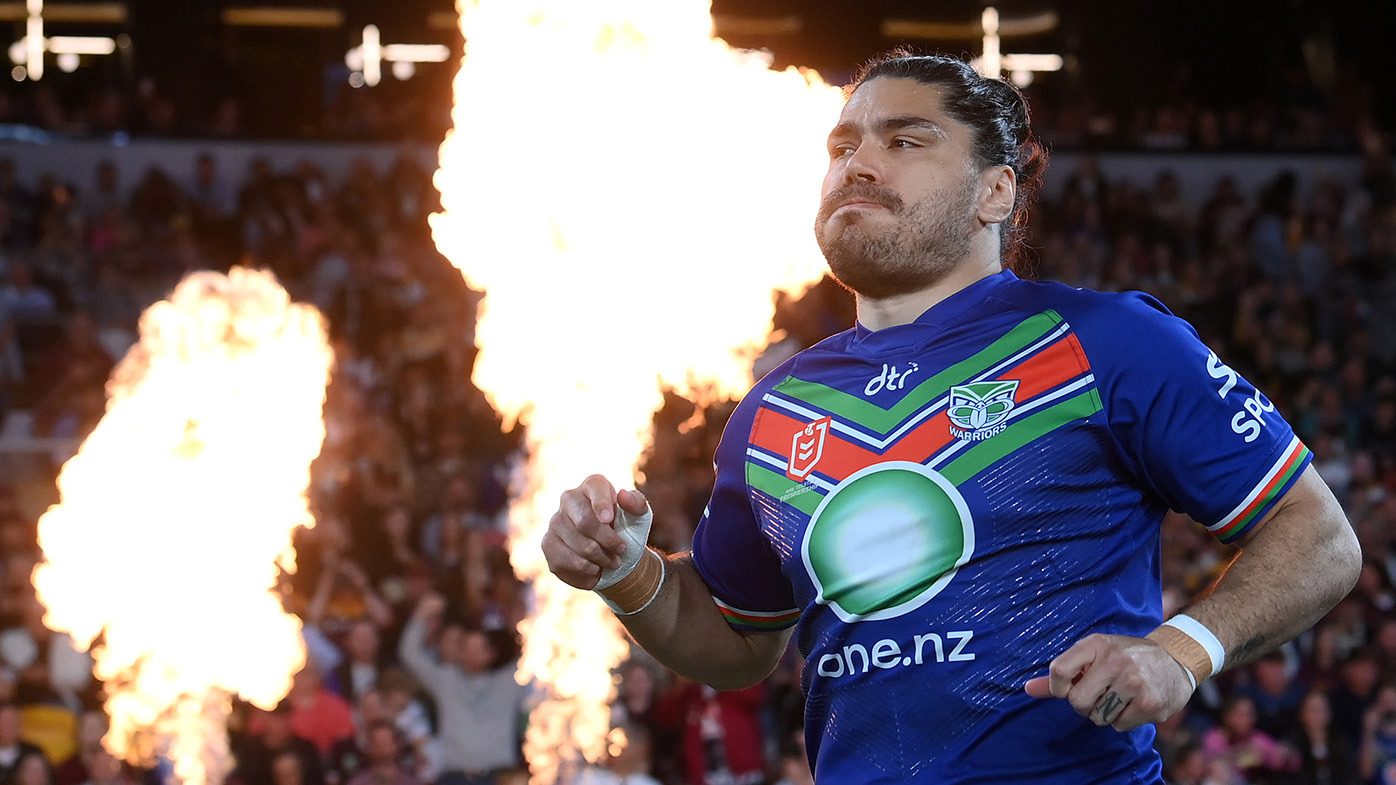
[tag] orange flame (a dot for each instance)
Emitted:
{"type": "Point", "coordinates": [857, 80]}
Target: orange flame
{"type": "Point", "coordinates": [179, 507]}
{"type": "Point", "coordinates": [627, 191]}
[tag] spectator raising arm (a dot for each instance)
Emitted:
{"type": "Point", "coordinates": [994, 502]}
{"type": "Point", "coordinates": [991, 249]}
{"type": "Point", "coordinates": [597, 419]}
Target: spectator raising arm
{"type": "Point", "coordinates": [412, 648]}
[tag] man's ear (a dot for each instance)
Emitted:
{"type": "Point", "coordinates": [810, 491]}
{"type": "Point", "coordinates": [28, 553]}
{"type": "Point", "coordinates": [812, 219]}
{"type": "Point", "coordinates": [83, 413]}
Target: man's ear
{"type": "Point", "coordinates": [999, 187]}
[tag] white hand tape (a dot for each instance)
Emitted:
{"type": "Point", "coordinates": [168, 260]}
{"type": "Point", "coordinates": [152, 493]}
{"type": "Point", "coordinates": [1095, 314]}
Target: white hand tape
{"type": "Point", "coordinates": [635, 530]}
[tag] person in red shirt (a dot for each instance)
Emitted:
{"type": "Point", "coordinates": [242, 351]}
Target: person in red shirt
{"type": "Point", "coordinates": [720, 732]}
{"type": "Point", "coordinates": [317, 714]}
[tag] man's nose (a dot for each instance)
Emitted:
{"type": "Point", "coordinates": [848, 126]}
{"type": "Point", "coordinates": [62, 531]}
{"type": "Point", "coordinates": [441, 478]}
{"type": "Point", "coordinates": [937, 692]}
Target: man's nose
{"type": "Point", "coordinates": [863, 166]}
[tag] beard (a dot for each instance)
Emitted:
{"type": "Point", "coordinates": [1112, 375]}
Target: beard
{"type": "Point", "coordinates": [929, 240]}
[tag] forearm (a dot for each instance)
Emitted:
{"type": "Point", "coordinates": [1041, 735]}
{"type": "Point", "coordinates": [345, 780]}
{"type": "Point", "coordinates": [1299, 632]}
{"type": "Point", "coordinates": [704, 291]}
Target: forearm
{"type": "Point", "coordinates": [319, 601]}
{"type": "Point", "coordinates": [412, 651]}
{"type": "Point", "coordinates": [682, 628]}
{"type": "Point", "coordinates": [1300, 563]}
{"type": "Point", "coordinates": [377, 608]}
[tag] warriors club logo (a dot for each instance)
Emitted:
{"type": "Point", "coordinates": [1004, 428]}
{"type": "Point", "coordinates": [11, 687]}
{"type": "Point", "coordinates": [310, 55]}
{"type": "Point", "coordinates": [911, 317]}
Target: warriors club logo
{"type": "Point", "coordinates": [979, 410]}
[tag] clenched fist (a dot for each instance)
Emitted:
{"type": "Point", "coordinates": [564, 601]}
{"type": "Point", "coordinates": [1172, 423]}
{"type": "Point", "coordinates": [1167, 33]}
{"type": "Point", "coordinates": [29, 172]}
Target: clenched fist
{"type": "Point", "coordinates": [582, 540]}
{"type": "Point", "coordinates": [1116, 680]}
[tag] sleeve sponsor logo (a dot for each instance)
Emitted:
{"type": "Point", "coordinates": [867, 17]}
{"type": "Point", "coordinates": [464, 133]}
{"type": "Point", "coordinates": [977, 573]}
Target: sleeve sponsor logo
{"type": "Point", "coordinates": [1247, 422]}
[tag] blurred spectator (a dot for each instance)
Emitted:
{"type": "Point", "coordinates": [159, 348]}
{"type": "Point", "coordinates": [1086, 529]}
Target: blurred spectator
{"type": "Point", "coordinates": [13, 748]}
{"type": "Point", "coordinates": [73, 372]}
{"type": "Point", "coordinates": [212, 199]}
{"type": "Point", "coordinates": [383, 752]}
{"type": "Point", "coordinates": [1379, 738]}
{"type": "Point", "coordinates": [1319, 669]}
{"type": "Point", "coordinates": [32, 768]}
{"type": "Point", "coordinates": [1374, 592]}
{"type": "Point", "coordinates": [348, 757]}
{"type": "Point", "coordinates": [78, 768]}
{"type": "Point", "coordinates": [18, 537]}
{"type": "Point", "coordinates": [479, 702]}
{"type": "Point", "coordinates": [263, 752]}
{"type": "Point", "coordinates": [316, 714]}
{"type": "Point", "coordinates": [105, 194]}
{"type": "Point", "coordinates": [628, 755]}
{"type": "Point", "coordinates": [1190, 764]}
{"type": "Point", "coordinates": [443, 532]}
{"type": "Point", "coordinates": [1253, 756]}
{"type": "Point", "coordinates": [11, 361]}
{"type": "Point", "coordinates": [720, 733]}
{"type": "Point", "coordinates": [793, 764]}
{"type": "Point", "coordinates": [492, 595]}
{"type": "Point", "coordinates": [50, 667]}
{"type": "Point", "coordinates": [155, 202]}
{"type": "Point", "coordinates": [107, 769]}
{"type": "Point", "coordinates": [408, 711]}
{"type": "Point", "coordinates": [363, 662]}
{"type": "Point", "coordinates": [1326, 758]}
{"type": "Point", "coordinates": [382, 471]}
{"type": "Point", "coordinates": [384, 541]}
{"type": "Point", "coordinates": [1275, 693]}
{"type": "Point", "coordinates": [1358, 681]}
{"type": "Point", "coordinates": [27, 303]}
{"type": "Point", "coordinates": [637, 696]}
{"type": "Point", "coordinates": [289, 767]}
{"type": "Point", "coordinates": [344, 596]}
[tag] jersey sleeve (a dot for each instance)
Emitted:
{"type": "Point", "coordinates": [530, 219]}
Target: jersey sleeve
{"type": "Point", "coordinates": [731, 553]}
{"type": "Point", "coordinates": [1197, 433]}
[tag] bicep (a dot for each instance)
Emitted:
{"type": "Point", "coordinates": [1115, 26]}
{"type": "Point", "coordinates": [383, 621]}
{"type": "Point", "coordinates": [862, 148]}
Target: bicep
{"type": "Point", "coordinates": [1305, 516]}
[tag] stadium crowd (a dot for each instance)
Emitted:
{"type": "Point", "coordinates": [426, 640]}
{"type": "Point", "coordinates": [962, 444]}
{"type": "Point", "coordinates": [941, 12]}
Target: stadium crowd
{"type": "Point", "coordinates": [405, 588]}
{"type": "Point", "coordinates": [1294, 113]}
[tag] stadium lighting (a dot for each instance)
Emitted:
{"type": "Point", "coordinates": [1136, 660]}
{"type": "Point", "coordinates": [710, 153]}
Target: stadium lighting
{"type": "Point", "coordinates": [28, 51]}
{"type": "Point", "coordinates": [366, 60]}
{"type": "Point", "coordinates": [992, 62]}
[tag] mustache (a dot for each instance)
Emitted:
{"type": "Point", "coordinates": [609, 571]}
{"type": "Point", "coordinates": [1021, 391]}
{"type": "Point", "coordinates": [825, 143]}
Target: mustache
{"type": "Point", "coordinates": [858, 192]}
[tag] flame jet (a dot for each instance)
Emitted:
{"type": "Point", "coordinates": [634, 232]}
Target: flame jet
{"type": "Point", "coordinates": [177, 511]}
{"type": "Point", "coordinates": [627, 191]}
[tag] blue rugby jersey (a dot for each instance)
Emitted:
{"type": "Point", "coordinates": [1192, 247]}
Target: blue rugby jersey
{"type": "Point", "coordinates": [945, 506]}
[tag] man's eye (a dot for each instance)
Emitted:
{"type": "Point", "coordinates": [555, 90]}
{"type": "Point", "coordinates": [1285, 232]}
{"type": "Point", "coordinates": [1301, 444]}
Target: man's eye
{"type": "Point", "coordinates": [841, 150]}
{"type": "Point", "coordinates": [904, 143]}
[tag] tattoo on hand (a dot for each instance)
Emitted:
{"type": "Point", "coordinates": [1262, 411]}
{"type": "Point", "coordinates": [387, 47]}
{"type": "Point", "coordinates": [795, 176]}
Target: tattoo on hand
{"type": "Point", "coordinates": [1109, 706]}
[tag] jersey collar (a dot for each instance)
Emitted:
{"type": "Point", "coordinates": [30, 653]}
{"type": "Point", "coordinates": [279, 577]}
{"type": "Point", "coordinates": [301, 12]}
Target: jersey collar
{"type": "Point", "coordinates": [947, 312]}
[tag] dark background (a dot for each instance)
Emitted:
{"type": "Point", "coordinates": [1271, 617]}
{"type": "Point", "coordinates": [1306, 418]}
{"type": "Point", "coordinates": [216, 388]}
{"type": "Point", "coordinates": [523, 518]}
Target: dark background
{"type": "Point", "coordinates": [1213, 52]}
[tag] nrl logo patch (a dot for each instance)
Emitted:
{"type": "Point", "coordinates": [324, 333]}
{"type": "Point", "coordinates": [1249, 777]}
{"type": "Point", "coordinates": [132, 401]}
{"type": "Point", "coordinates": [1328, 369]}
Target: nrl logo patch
{"type": "Point", "coordinates": [807, 447]}
{"type": "Point", "coordinates": [979, 410]}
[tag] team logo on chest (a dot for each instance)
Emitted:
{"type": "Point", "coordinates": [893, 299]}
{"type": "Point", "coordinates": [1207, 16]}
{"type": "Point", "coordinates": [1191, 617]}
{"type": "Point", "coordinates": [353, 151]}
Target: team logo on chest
{"type": "Point", "coordinates": [980, 410]}
{"type": "Point", "coordinates": [807, 447]}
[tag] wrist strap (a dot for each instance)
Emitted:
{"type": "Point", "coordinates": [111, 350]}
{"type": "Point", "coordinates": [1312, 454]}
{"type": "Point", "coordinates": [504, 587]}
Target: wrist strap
{"type": "Point", "coordinates": [636, 590]}
{"type": "Point", "coordinates": [1194, 646]}
{"type": "Point", "coordinates": [635, 531]}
